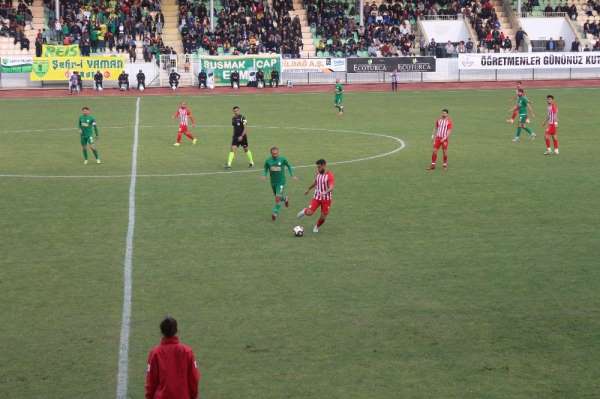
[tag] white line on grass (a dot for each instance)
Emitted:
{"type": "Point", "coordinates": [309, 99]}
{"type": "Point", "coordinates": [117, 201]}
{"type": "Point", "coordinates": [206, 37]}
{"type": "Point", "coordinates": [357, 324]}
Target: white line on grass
{"type": "Point", "coordinates": [399, 141]}
{"type": "Point", "coordinates": [122, 374]}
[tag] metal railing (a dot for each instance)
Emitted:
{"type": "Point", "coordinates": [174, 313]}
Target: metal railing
{"type": "Point", "coordinates": [543, 14]}
{"type": "Point", "coordinates": [441, 17]}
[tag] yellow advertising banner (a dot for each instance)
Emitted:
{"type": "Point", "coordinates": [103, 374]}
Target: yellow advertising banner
{"type": "Point", "coordinates": [60, 68]}
{"type": "Point", "coordinates": [59, 50]}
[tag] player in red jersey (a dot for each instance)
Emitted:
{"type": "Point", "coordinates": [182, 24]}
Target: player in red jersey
{"type": "Point", "coordinates": [552, 122]}
{"type": "Point", "coordinates": [323, 184]}
{"type": "Point", "coordinates": [440, 136]}
{"type": "Point", "coordinates": [184, 115]}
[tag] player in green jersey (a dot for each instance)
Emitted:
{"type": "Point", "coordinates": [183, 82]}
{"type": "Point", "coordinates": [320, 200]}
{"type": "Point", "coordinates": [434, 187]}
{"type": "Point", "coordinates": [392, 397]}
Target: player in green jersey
{"type": "Point", "coordinates": [339, 96]}
{"type": "Point", "coordinates": [89, 134]}
{"type": "Point", "coordinates": [275, 166]}
{"type": "Point", "coordinates": [524, 110]}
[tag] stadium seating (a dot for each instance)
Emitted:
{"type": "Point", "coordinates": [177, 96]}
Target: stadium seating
{"type": "Point", "coordinates": [109, 28]}
{"type": "Point", "coordinates": [242, 27]}
{"type": "Point", "coordinates": [19, 24]}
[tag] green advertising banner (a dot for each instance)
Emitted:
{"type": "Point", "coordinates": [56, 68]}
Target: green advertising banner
{"type": "Point", "coordinates": [52, 50]}
{"type": "Point", "coordinates": [17, 64]}
{"type": "Point", "coordinates": [246, 65]}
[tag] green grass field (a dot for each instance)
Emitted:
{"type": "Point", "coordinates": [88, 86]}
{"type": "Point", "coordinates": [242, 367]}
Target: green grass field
{"type": "Point", "coordinates": [481, 282]}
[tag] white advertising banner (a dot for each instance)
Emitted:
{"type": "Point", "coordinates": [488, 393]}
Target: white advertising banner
{"type": "Point", "coordinates": [492, 61]}
{"type": "Point", "coordinates": [305, 65]}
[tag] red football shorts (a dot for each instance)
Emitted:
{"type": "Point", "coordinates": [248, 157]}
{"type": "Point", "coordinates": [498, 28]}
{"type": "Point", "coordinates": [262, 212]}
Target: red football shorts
{"type": "Point", "coordinates": [438, 143]}
{"type": "Point", "coordinates": [183, 128]}
{"type": "Point", "coordinates": [551, 130]}
{"type": "Point", "coordinates": [316, 203]}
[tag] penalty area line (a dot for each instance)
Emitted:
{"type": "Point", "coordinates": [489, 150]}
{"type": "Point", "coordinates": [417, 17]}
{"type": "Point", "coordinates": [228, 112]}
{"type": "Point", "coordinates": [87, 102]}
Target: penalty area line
{"type": "Point", "coordinates": [123, 370]}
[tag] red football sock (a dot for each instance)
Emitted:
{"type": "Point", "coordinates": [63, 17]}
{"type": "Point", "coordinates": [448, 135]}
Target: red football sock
{"type": "Point", "coordinates": [555, 141]}
{"type": "Point", "coordinates": [445, 158]}
{"type": "Point", "coordinates": [179, 134]}
{"type": "Point", "coordinates": [433, 158]}
{"type": "Point", "coordinates": [189, 136]}
{"type": "Point", "coordinates": [320, 222]}
{"type": "Point", "coordinates": [547, 143]}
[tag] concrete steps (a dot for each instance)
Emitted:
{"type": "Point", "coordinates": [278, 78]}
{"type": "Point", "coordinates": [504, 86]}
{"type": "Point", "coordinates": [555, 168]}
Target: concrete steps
{"type": "Point", "coordinates": [505, 24]}
{"type": "Point", "coordinates": [8, 49]}
{"type": "Point", "coordinates": [308, 47]}
{"type": "Point", "coordinates": [171, 36]}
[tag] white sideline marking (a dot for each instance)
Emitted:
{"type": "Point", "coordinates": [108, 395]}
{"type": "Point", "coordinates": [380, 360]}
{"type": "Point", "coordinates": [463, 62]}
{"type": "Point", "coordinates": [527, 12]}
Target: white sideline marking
{"type": "Point", "coordinates": [399, 141]}
{"type": "Point", "coordinates": [122, 374]}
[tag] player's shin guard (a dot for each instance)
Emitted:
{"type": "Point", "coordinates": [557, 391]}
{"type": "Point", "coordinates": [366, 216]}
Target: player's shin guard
{"type": "Point", "coordinates": [518, 133]}
{"type": "Point", "coordinates": [528, 130]}
{"type": "Point", "coordinates": [555, 142]}
{"type": "Point", "coordinates": [189, 135]}
{"type": "Point", "coordinates": [434, 158]}
{"type": "Point", "coordinates": [445, 159]}
{"type": "Point", "coordinates": [320, 222]}
{"type": "Point", "coordinates": [230, 158]}
{"type": "Point", "coordinates": [96, 154]}
{"type": "Point", "coordinates": [85, 154]}
{"type": "Point", "coordinates": [249, 155]}
{"type": "Point", "coordinates": [547, 143]}
{"type": "Point", "coordinates": [179, 134]}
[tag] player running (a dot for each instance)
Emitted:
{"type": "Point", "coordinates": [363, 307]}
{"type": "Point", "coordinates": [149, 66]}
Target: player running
{"type": "Point", "coordinates": [524, 110]}
{"type": "Point", "coordinates": [184, 114]}
{"type": "Point", "coordinates": [441, 135]}
{"type": "Point", "coordinates": [323, 184]}
{"type": "Point", "coordinates": [552, 121]}
{"type": "Point", "coordinates": [89, 133]}
{"type": "Point", "coordinates": [240, 137]}
{"type": "Point", "coordinates": [275, 166]}
{"type": "Point", "coordinates": [339, 97]}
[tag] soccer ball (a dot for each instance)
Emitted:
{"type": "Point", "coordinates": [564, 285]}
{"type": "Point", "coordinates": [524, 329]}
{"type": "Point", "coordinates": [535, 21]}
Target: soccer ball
{"type": "Point", "coordinates": [141, 88]}
{"type": "Point", "coordinates": [298, 231]}
{"type": "Point", "coordinates": [173, 87]}
{"type": "Point", "coordinates": [99, 88]}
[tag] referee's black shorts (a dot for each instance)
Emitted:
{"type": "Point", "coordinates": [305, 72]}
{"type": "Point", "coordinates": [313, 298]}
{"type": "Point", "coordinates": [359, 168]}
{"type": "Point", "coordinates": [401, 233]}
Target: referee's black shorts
{"type": "Point", "coordinates": [235, 142]}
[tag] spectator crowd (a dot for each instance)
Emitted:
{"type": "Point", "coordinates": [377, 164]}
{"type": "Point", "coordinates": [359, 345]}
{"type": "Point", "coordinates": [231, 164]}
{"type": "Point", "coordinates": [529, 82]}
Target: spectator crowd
{"type": "Point", "coordinates": [107, 26]}
{"type": "Point", "coordinates": [242, 27]}
{"type": "Point", "coordinates": [14, 20]}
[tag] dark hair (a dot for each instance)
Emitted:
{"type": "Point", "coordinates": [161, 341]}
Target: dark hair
{"type": "Point", "coordinates": [445, 110]}
{"type": "Point", "coordinates": [550, 96]}
{"type": "Point", "coordinates": [84, 108]}
{"type": "Point", "coordinates": [168, 327]}
{"type": "Point", "coordinates": [321, 162]}
{"type": "Point", "coordinates": [274, 148]}
{"type": "Point", "coordinates": [236, 107]}
{"type": "Point", "coordinates": [521, 91]}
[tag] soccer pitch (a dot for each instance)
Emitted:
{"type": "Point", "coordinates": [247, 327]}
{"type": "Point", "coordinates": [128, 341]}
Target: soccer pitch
{"type": "Point", "coordinates": [478, 282]}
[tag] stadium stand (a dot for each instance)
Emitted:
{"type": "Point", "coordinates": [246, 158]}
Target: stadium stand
{"type": "Point", "coordinates": [242, 27]}
{"type": "Point", "coordinates": [549, 33]}
{"type": "Point", "coordinates": [20, 23]}
{"type": "Point", "coordinates": [492, 26]}
{"type": "Point", "coordinates": [453, 34]}
{"type": "Point", "coordinates": [588, 21]}
{"type": "Point", "coordinates": [389, 28]}
{"type": "Point", "coordinates": [116, 27]}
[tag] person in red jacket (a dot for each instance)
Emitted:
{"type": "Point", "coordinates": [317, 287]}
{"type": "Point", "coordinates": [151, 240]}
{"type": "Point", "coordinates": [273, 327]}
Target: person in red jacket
{"type": "Point", "coordinates": [172, 369]}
